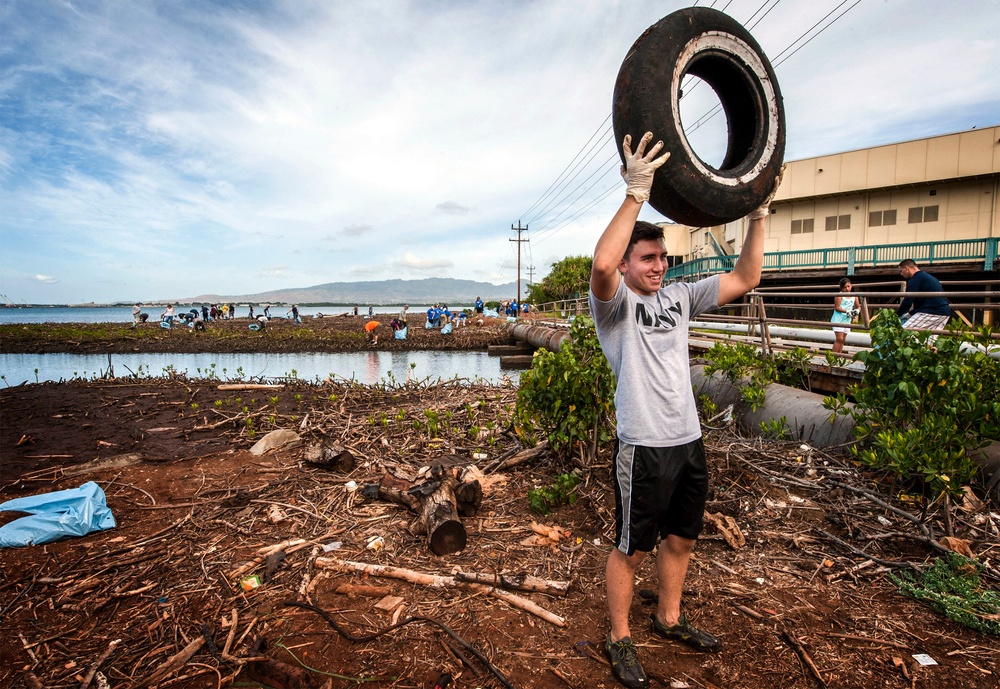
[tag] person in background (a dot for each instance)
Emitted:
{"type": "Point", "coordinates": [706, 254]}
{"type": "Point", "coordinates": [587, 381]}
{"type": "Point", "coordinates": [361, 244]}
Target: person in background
{"type": "Point", "coordinates": [479, 306]}
{"type": "Point", "coordinates": [922, 313]}
{"type": "Point", "coordinates": [204, 312]}
{"type": "Point", "coordinates": [843, 312]}
{"type": "Point", "coordinates": [232, 310]}
{"type": "Point", "coordinates": [660, 473]}
{"type": "Point", "coordinates": [225, 312]}
{"type": "Point", "coordinates": [355, 309]}
{"type": "Point", "coordinates": [371, 328]}
{"type": "Point", "coordinates": [445, 315]}
{"type": "Point", "coordinates": [168, 314]}
{"type": "Point", "coordinates": [251, 312]}
{"type": "Point", "coordinates": [402, 314]}
{"type": "Point", "coordinates": [267, 311]}
{"type": "Point", "coordinates": [136, 311]}
{"type": "Point", "coordinates": [295, 313]}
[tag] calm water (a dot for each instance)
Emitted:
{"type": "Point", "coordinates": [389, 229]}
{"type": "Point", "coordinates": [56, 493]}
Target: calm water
{"type": "Point", "coordinates": [123, 314]}
{"type": "Point", "coordinates": [365, 367]}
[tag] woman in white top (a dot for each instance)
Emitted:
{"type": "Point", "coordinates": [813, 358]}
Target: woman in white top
{"type": "Point", "coordinates": [843, 308]}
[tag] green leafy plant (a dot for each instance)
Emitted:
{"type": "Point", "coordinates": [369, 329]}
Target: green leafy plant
{"type": "Point", "coordinates": [776, 428]}
{"type": "Point", "coordinates": [745, 366]}
{"type": "Point", "coordinates": [742, 365]}
{"type": "Point", "coordinates": [433, 422]}
{"type": "Point", "coordinates": [920, 409]}
{"type": "Point", "coordinates": [833, 360]}
{"type": "Point", "coordinates": [544, 500]}
{"type": "Point", "coordinates": [568, 396]}
{"type": "Point", "coordinates": [951, 585]}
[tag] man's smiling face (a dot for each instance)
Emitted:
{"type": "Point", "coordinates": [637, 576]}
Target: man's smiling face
{"type": "Point", "coordinates": [645, 266]}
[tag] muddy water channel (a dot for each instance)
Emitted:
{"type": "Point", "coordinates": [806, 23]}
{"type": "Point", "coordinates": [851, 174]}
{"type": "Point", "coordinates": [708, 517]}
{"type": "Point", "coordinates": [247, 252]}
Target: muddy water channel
{"type": "Point", "coordinates": [368, 367]}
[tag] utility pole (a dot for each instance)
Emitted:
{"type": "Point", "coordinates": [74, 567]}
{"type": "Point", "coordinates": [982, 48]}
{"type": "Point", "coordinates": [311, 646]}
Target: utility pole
{"type": "Point", "coordinates": [519, 241]}
{"type": "Point", "coordinates": [531, 275]}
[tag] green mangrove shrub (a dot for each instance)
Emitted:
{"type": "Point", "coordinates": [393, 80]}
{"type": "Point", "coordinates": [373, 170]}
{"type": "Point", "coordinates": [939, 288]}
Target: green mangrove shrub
{"type": "Point", "coordinates": [745, 366]}
{"type": "Point", "coordinates": [567, 396]}
{"type": "Point", "coordinates": [920, 409]}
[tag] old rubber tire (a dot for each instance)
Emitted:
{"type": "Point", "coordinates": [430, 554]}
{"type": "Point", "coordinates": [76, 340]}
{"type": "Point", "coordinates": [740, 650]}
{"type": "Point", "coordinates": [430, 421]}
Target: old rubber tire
{"type": "Point", "coordinates": [714, 47]}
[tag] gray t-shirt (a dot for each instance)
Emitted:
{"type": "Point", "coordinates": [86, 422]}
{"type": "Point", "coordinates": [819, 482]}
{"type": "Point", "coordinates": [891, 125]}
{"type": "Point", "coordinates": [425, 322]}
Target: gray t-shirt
{"type": "Point", "coordinates": [646, 342]}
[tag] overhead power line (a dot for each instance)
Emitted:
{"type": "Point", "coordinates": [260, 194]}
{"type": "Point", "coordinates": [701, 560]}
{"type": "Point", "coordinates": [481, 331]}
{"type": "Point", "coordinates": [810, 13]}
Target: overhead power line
{"type": "Point", "coordinates": [563, 202]}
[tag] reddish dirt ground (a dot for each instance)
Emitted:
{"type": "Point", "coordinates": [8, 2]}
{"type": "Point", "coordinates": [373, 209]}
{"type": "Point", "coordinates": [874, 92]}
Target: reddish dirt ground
{"type": "Point", "coordinates": [196, 507]}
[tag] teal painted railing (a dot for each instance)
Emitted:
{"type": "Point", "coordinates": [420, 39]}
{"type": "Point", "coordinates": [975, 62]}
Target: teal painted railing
{"type": "Point", "coordinates": [986, 250]}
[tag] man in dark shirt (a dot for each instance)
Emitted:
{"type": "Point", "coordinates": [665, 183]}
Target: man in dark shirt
{"type": "Point", "coordinates": [931, 313]}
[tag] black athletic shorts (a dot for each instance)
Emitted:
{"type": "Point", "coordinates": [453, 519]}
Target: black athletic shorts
{"type": "Point", "coordinates": [659, 491]}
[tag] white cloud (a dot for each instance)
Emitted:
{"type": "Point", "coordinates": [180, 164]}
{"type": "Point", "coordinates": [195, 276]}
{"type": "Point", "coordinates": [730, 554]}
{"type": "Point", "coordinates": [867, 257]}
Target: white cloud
{"type": "Point", "coordinates": [232, 140]}
{"type": "Point", "coordinates": [273, 272]}
{"type": "Point", "coordinates": [422, 263]}
{"type": "Point", "coordinates": [356, 230]}
{"type": "Point", "coordinates": [44, 279]}
{"type": "Point", "coordinates": [452, 208]}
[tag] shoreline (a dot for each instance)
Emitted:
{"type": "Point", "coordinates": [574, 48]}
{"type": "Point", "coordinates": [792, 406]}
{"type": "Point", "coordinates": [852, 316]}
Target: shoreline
{"type": "Point", "coordinates": [329, 334]}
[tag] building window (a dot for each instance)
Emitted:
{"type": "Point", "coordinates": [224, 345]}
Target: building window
{"type": "Point", "coordinates": [802, 226]}
{"type": "Point", "coordinates": [879, 218]}
{"type": "Point", "coordinates": [923, 214]}
{"type": "Point", "coordinates": [838, 222]}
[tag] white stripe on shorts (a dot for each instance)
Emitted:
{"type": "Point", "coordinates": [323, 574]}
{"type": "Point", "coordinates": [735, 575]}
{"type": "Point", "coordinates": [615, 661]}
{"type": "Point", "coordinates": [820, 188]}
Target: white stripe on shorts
{"type": "Point", "coordinates": [623, 467]}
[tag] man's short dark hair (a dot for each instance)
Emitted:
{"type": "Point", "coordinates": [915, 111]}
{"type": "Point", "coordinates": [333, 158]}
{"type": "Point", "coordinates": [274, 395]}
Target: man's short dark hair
{"type": "Point", "coordinates": [907, 263]}
{"type": "Point", "coordinates": [640, 231]}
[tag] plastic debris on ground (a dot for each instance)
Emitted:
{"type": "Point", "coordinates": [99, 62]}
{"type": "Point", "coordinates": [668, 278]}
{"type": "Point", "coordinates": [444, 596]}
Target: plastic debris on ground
{"type": "Point", "coordinates": [60, 514]}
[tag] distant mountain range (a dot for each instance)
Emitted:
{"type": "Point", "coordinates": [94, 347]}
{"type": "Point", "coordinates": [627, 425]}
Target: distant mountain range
{"type": "Point", "coordinates": [375, 292]}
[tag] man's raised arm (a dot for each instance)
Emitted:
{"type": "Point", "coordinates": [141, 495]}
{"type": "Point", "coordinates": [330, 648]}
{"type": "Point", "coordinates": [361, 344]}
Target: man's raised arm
{"type": "Point", "coordinates": [746, 273]}
{"type": "Point", "coordinates": [638, 172]}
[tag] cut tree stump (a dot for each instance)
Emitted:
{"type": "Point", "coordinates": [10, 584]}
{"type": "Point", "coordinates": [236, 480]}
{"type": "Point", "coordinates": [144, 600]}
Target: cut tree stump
{"type": "Point", "coordinates": [438, 502]}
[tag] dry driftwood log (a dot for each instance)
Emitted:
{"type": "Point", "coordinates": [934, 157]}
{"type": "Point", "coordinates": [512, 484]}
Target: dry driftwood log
{"type": "Point", "coordinates": [516, 582]}
{"type": "Point", "coordinates": [438, 581]}
{"type": "Point", "coordinates": [438, 503]}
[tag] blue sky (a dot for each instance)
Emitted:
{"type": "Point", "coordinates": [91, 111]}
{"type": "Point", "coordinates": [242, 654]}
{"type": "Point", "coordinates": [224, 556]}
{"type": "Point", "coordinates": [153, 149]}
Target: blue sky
{"type": "Point", "coordinates": [154, 150]}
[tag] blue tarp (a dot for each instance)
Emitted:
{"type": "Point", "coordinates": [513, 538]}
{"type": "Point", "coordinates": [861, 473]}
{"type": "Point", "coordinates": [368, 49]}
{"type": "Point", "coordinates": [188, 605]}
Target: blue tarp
{"type": "Point", "coordinates": [73, 512]}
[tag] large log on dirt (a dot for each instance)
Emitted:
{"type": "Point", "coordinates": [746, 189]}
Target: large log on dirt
{"type": "Point", "coordinates": [438, 503]}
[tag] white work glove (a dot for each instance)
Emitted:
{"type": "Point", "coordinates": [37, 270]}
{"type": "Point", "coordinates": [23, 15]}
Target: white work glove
{"type": "Point", "coordinates": [854, 313]}
{"type": "Point", "coordinates": [638, 169]}
{"type": "Point", "coordinates": [765, 208]}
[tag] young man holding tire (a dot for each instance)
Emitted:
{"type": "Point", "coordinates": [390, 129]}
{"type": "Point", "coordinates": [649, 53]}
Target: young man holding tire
{"type": "Point", "coordinates": [660, 472]}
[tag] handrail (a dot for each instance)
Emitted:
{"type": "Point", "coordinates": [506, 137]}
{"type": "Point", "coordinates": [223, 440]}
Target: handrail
{"type": "Point", "coordinates": [985, 249]}
{"type": "Point", "coordinates": [752, 311]}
